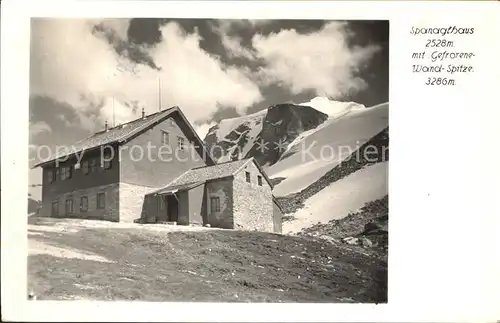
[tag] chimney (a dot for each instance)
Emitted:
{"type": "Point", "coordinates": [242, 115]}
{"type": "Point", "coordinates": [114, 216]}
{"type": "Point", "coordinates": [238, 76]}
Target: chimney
{"type": "Point", "coordinates": [106, 125]}
{"type": "Point", "coordinates": [143, 114]}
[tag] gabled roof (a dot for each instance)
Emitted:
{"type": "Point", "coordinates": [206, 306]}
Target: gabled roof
{"type": "Point", "coordinates": [124, 132]}
{"type": "Point", "coordinates": [207, 173]}
{"type": "Point", "coordinates": [176, 188]}
{"type": "Point", "coordinates": [199, 175]}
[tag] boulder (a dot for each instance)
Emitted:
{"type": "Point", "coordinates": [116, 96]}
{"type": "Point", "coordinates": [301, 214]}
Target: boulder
{"type": "Point", "coordinates": [366, 242]}
{"type": "Point", "coordinates": [371, 226]}
{"type": "Point", "coordinates": [328, 238]}
{"type": "Point", "coordinates": [351, 240]}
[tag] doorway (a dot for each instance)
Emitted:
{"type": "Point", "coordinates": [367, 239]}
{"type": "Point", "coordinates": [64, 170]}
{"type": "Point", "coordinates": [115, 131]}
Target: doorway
{"type": "Point", "coordinates": [172, 208]}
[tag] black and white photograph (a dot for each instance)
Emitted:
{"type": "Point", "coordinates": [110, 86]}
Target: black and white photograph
{"type": "Point", "coordinates": [208, 160]}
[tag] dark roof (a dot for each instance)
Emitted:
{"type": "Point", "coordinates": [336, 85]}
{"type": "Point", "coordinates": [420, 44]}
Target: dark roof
{"type": "Point", "coordinates": [199, 175]}
{"type": "Point", "coordinates": [122, 133]}
{"type": "Point", "coordinates": [206, 173]}
{"type": "Point", "coordinates": [176, 188]}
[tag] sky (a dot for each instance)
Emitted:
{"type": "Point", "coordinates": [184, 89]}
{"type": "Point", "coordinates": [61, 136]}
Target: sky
{"type": "Point", "coordinates": [84, 72]}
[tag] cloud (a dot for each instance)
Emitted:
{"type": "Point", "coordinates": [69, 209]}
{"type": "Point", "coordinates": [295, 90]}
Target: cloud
{"type": "Point", "coordinates": [91, 68]}
{"type": "Point", "coordinates": [64, 120]}
{"type": "Point", "coordinates": [72, 63]}
{"type": "Point", "coordinates": [198, 81]}
{"type": "Point", "coordinates": [202, 129]}
{"type": "Point", "coordinates": [119, 26]}
{"type": "Point", "coordinates": [234, 47]}
{"type": "Point", "coordinates": [233, 43]}
{"type": "Point", "coordinates": [320, 61]}
{"type": "Point", "coordinates": [38, 128]}
{"type": "Point", "coordinates": [134, 52]}
{"type": "Point", "coordinates": [68, 61]}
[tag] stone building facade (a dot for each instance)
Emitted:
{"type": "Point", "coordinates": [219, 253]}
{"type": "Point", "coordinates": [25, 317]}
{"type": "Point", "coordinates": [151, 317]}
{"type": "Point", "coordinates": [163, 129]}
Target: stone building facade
{"type": "Point", "coordinates": [83, 204]}
{"type": "Point", "coordinates": [231, 195]}
{"type": "Point", "coordinates": [252, 200]}
{"type": "Point", "coordinates": [116, 168]}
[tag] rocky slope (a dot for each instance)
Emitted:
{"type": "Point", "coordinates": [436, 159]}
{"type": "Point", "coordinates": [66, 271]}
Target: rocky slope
{"type": "Point", "coordinates": [319, 150]}
{"type": "Point", "coordinates": [362, 157]}
{"type": "Point", "coordinates": [275, 127]}
{"type": "Point", "coordinates": [367, 227]}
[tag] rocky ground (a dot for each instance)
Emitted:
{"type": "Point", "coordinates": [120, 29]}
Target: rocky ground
{"type": "Point", "coordinates": [368, 228]}
{"type": "Point", "coordinates": [373, 151]}
{"type": "Point", "coordinates": [77, 260]}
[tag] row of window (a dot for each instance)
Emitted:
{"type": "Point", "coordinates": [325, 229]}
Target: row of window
{"type": "Point", "coordinates": [249, 179]}
{"type": "Point", "coordinates": [84, 205]}
{"type": "Point", "coordinates": [166, 140]}
{"type": "Point", "coordinates": [88, 166]}
{"type": "Point", "coordinates": [91, 165]}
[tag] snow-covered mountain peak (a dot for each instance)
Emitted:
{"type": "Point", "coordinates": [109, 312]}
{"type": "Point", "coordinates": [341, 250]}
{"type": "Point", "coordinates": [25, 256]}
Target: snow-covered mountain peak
{"type": "Point", "coordinates": [243, 136]}
{"type": "Point", "coordinates": [331, 107]}
{"type": "Point", "coordinates": [225, 126]}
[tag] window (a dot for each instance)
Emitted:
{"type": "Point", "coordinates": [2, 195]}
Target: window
{"type": "Point", "coordinates": [106, 163]}
{"type": "Point", "coordinates": [165, 138]}
{"type": "Point", "coordinates": [247, 174]}
{"type": "Point", "coordinates": [55, 208]}
{"type": "Point", "coordinates": [69, 206]}
{"type": "Point", "coordinates": [85, 167]}
{"type": "Point", "coordinates": [93, 165]}
{"type": "Point", "coordinates": [84, 204]}
{"type": "Point", "coordinates": [66, 172]}
{"type": "Point", "coordinates": [180, 143]}
{"type": "Point", "coordinates": [101, 203]}
{"type": "Point", "coordinates": [51, 176]}
{"type": "Point", "coordinates": [214, 204]}
{"type": "Point", "coordinates": [259, 180]}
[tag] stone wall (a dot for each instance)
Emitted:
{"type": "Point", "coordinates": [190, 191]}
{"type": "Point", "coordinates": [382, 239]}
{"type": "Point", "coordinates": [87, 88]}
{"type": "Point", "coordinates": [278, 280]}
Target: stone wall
{"type": "Point", "coordinates": [253, 203]}
{"type": "Point", "coordinates": [277, 218]}
{"type": "Point", "coordinates": [183, 208]}
{"type": "Point", "coordinates": [132, 201]}
{"type": "Point", "coordinates": [222, 188]}
{"type": "Point", "coordinates": [109, 213]}
{"type": "Point", "coordinates": [197, 205]}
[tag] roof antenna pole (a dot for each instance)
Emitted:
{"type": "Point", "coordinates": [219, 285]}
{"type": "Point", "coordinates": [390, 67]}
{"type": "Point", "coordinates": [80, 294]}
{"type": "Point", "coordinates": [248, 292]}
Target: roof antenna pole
{"type": "Point", "coordinates": [159, 94]}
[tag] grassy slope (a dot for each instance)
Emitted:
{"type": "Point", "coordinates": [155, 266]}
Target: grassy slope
{"type": "Point", "coordinates": [211, 265]}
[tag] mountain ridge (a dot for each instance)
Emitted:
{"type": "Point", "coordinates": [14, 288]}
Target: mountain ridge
{"type": "Point", "coordinates": [276, 128]}
{"type": "Point", "coordinates": [301, 175]}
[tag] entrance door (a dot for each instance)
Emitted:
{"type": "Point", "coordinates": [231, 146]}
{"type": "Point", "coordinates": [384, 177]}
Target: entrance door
{"type": "Point", "coordinates": [172, 208]}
